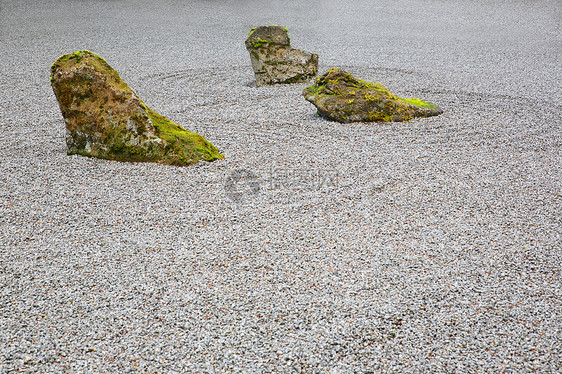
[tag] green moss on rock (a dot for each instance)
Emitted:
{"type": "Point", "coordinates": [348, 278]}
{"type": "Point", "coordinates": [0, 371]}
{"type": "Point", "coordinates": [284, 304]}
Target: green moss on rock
{"type": "Point", "coordinates": [104, 117]}
{"type": "Point", "coordinates": [189, 146]}
{"type": "Point", "coordinates": [274, 60]}
{"type": "Point", "coordinates": [341, 97]}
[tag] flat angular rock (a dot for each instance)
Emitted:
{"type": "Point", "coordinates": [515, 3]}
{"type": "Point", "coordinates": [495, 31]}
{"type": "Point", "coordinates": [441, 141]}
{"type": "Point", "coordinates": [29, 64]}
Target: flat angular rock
{"type": "Point", "coordinates": [275, 61]}
{"type": "Point", "coordinates": [105, 118]}
{"type": "Point", "coordinates": [340, 97]}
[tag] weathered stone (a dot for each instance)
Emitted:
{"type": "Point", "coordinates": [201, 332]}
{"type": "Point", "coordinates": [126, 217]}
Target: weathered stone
{"type": "Point", "coordinates": [275, 61]}
{"type": "Point", "coordinates": [340, 97]}
{"type": "Point", "coordinates": [105, 118]}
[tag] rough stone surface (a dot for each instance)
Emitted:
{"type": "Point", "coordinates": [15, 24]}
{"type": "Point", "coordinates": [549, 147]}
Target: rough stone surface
{"type": "Point", "coordinates": [275, 61]}
{"type": "Point", "coordinates": [105, 118]}
{"type": "Point", "coordinates": [340, 97]}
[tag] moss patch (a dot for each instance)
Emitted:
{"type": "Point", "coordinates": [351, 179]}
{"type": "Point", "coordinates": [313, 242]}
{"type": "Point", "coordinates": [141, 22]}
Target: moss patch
{"type": "Point", "coordinates": [189, 146]}
{"type": "Point", "coordinates": [417, 102]}
{"type": "Point", "coordinates": [259, 43]}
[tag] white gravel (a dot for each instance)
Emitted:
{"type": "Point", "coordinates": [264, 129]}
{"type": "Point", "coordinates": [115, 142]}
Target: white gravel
{"type": "Point", "coordinates": [427, 246]}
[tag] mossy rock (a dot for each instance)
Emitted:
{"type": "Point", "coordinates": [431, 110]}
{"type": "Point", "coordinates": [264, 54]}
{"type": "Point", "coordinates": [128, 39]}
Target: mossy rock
{"type": "Point", "coordinates": [341, 97]}
{"type": "Point", "coordinates": [275, 61]}
{"type": "Point", "coordinates": [265, 35]}
{"type": "Point", "coordinates": [105, 118]}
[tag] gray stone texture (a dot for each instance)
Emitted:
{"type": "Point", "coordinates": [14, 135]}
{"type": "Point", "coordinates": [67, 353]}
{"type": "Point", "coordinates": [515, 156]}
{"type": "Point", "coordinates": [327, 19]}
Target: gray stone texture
{"type": "Point", "coordinates": [275, 61]}
{"type": "Point", "coordinates": [341, 97]}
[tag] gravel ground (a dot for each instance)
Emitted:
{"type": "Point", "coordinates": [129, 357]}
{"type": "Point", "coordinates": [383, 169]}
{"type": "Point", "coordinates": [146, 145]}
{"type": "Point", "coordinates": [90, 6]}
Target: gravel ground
{"type": "Point", "coordinates": [317, 247]}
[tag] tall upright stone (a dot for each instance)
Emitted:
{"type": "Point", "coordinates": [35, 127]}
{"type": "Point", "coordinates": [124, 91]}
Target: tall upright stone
{"type": "Point", "coordinates": [275, 61]}
{"type": "Point", "coordinates": [105, 118]}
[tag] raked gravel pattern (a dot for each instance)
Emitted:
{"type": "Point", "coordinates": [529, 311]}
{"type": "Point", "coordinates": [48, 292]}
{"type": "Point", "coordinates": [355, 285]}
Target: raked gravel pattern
{"type": "Point", "coordinates": [315, 247]}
